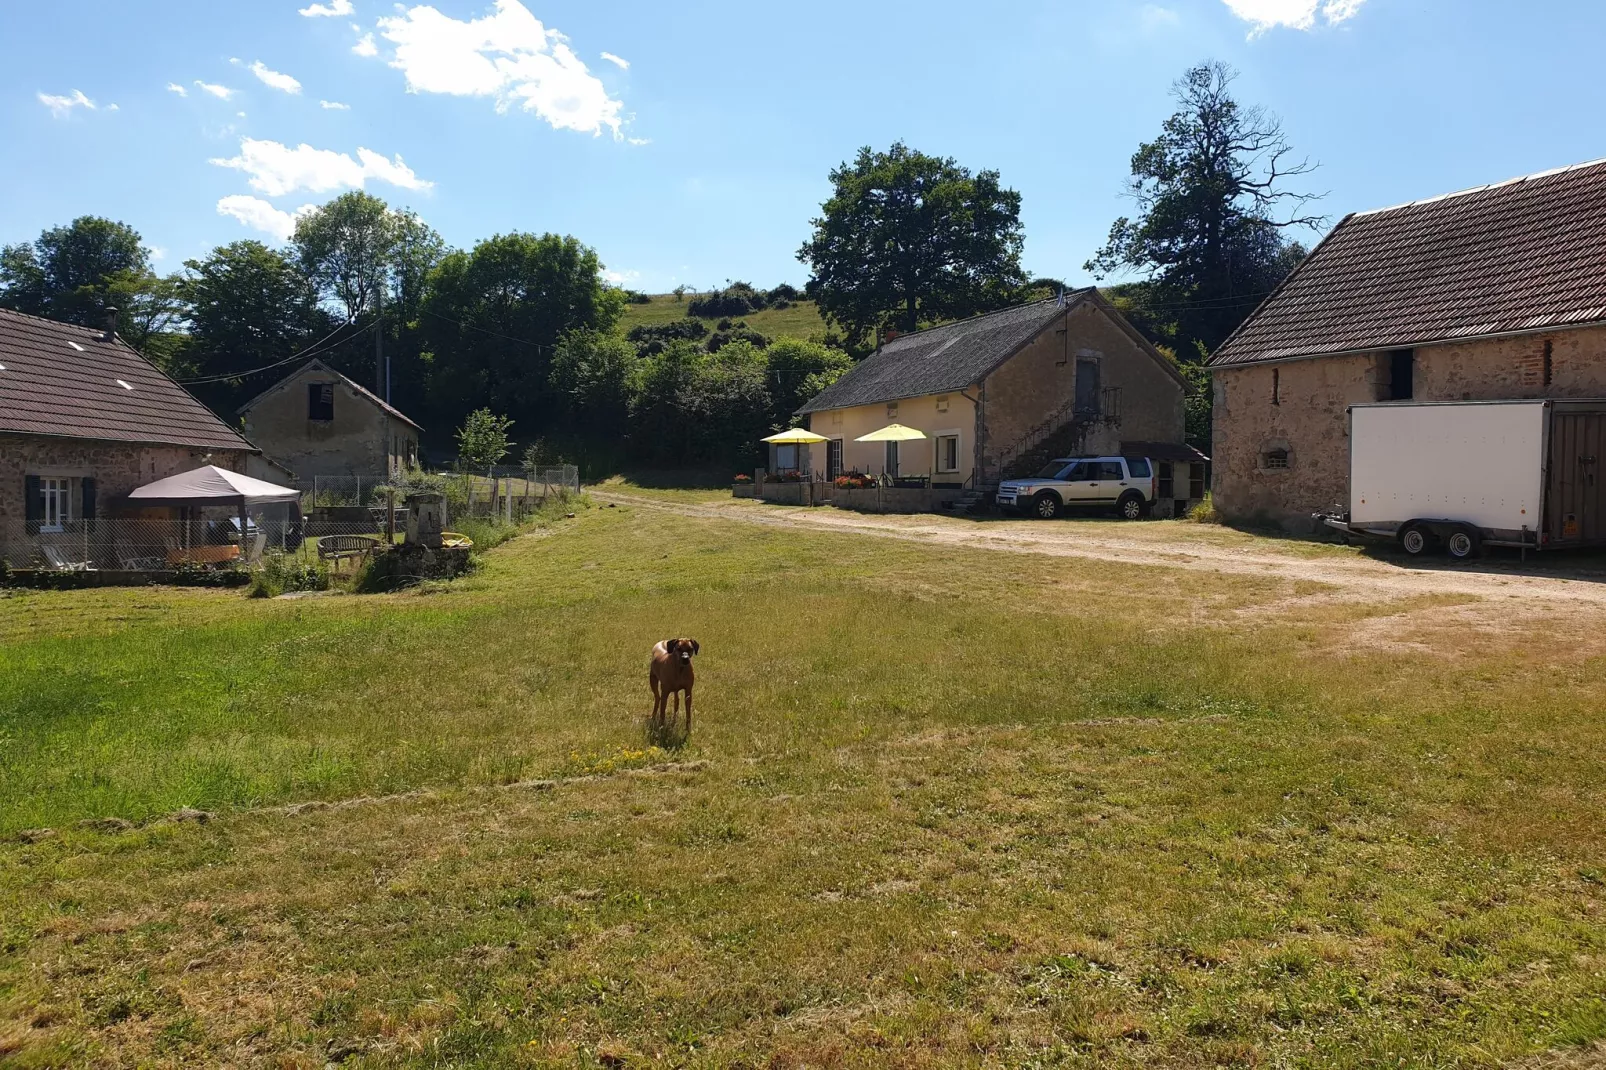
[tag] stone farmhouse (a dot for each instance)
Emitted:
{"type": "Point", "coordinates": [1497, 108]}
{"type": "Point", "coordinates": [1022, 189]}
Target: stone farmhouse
{"type": "Point", "coordinates": [84, 419]}
{"type": "Point", "coordinates": [317, 422]}
{"type": "Point", "coordinates": [1493, 293]}
{"type": "Point", "coordinates": [1001, 394]}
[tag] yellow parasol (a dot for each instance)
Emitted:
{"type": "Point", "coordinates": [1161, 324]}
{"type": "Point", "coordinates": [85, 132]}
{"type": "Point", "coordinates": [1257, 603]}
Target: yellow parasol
{"type": "Point", "coordinates": [796, 436]}
{"type": "Point", "coordinates": [892, 433]}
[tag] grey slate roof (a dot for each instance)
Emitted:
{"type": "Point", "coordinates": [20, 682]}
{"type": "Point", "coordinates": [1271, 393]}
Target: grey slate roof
{"type": "Point", "coordinates": [357, 387]}
{"type": "Point", "coordinates": [942, 359]}
{"type": "Point", "coordinates": [1524, 255]}
{"type": "Point", "coordinates": [64, 380]}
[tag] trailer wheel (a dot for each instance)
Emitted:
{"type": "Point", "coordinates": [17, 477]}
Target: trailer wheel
{"type": "Point", "coordinates": [1414, 540]}
{"type": "Point", "coordinates": [1463, 544]}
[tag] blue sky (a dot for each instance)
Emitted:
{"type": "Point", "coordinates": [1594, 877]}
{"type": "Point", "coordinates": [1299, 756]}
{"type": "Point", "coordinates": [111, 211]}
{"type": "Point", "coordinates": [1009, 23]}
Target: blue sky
{"type": "Point", "coordinates": [697, 148]}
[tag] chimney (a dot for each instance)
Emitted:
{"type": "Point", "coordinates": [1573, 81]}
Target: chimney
{"type": "Point", "coordinates": [110, 333]}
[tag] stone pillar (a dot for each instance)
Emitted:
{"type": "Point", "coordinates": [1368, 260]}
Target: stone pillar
{"type": "Point", "coordinates": [426, 518]}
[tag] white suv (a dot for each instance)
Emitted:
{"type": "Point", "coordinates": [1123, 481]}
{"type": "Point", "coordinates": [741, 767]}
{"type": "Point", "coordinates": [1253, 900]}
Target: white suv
{"type": "Point", "coordinates": [1126, 484]}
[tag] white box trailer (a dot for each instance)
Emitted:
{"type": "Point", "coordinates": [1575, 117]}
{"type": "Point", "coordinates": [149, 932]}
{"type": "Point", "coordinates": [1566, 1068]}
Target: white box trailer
{"type": "Point", "coordinates": [1465, 474]}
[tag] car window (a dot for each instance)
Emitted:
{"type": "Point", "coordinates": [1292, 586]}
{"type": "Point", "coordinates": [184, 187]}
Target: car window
{"type": "Point", "coordinates": [1079, 470]}
{"type": "Point", "coordinates": [1105, 470]}
{"type": "Point", "coordinates": [1052, 471]}
{"type": "Point", "coordinates": [1138, 466]}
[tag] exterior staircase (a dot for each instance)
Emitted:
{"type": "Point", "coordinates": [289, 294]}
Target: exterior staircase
{"type": "Point", "coordinates": [977, 499]}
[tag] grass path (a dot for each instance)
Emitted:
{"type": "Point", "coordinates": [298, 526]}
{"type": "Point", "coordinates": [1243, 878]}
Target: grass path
{"type": "Point", "coordinates": [944, 806]}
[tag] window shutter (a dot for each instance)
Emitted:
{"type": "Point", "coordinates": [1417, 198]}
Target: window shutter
{"type": "Point", "coordinates": [32, 503]}
{"type": "Point", "coordinates": [88, 488]}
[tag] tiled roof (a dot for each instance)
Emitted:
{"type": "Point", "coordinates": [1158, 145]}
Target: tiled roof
{"type": "Point", "coordinates": [941, 359]}
{"type": "Point", "coordinates": [61, 379]}
{"type": "Point", "coordinates": [320, 366]}
{"type": "Point", "coordinates": [1523, 255]}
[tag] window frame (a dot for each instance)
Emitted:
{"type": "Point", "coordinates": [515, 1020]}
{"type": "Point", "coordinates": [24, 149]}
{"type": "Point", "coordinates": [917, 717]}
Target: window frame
{"type": "Point", "coordinates": [937, 440]}
{"type": "Point", "coordinates": [55, 491]}
{"type": "Point", "coordinates": [321, 398]}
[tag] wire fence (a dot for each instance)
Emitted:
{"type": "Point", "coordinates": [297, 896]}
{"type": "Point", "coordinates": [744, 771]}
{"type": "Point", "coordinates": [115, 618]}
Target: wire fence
{"type": "Point", "coordinates": [160, 545]}
{"type": "Point", "coordinates": [482, 491]}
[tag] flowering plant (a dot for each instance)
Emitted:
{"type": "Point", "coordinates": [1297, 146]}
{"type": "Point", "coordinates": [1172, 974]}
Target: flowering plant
{"type": "Point", "coordinates": [854, 481]}
{"type": "Point", "coordinates": [742, 477]}
{"type": "Point", "coordinates": [789, 475]}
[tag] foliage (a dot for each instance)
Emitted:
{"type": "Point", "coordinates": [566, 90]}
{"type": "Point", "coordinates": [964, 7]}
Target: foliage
{"type": "Point", "coordinates": [492, 320]}
{"type": "Point", "coordinates": [482, 440]}
{"type": "Point", "coordinates": [650, 338]}
{"type": "Point", "coordinates": [907, 240]}
{"type": "Point", "coordinates": [1212, 212]}
{"type": "Point", "coordinates": [591, 376]}
{"type": "Point", "coordinates": [1204, 510]}
{"type": "Point", "coordinates": [854, 481]}
{"type": "Point", "coordinates": [67, 273]}
{"type": "Point", "coordinates": [345, 248]}
{"type": "Point", "coordinates": [249, 307]}
{"type": "Point", "coordinates": [736, 332]}
{"type": "Point", "coordinates": [737, 299]}
{"type": "Point", "coordinates": [280, 573]}
{"type": "Point", "coordinates": [799, 370]}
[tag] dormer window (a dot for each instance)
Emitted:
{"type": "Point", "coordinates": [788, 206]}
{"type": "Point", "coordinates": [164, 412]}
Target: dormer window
{"type": "Point", "coordinates": [321, 402]}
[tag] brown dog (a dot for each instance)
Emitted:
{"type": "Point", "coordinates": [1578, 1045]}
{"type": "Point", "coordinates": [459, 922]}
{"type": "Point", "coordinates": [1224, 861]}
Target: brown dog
{"type": "Point", "coordinates": [671, 674]}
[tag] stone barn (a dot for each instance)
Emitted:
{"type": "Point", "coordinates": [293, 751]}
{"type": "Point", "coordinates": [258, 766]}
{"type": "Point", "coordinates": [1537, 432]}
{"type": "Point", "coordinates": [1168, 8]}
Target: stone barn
{"type": "Point", "coordinates": [317, 422]}
{"type": "Point", "coordinates": [1493, 293]}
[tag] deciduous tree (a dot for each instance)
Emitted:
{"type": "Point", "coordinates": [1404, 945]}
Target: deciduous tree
{"type": "Point", "coordinates": [67, 273]}
{"type": "Point", "coordinates": [907, 240]}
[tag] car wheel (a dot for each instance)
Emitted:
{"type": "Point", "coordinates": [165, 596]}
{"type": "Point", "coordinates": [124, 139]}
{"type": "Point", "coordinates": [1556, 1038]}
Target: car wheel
{"type": "Point", "coordinates": [1463, 544]}
{"type": "Point", "coordinates": [1045, 507]}
{"type": "Point", "coordinates": [1131, 506]}
{"type": "Point", "coordinates": [1414, 541]}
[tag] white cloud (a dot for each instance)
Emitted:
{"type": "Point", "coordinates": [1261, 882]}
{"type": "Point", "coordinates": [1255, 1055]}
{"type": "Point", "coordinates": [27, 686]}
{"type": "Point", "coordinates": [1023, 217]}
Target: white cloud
{"type": "Point", "coordinates": [174, 87]}
{"type": "Point", "coordinates": [1153, 17]}
{"type": "Point", "coordinates": [278, 169]}
{"type": "Point", "coordinates": [365, 46]}
{"type": "Point", "coordinates": [274, 79]}
{"type": "Point", "coordinates": [622, 64]}
{"type": "Point", "coordinates": [222, 92]}
{"type": "Point", "coordinates": [158, 253]}
{"type": "Point", "coordinates": [258, 214]}
{"type": "Point", "coordinates": [114, 107]}
{"type": "Point", "coordinates": [1264, 15]}
{"type": "Point", "coordinates": [619, 278]}
{"type": "Point", "coordinates": [333, 9]}
{"type": "Point", "coordinates": [333, 105]}
{"type": "Point", "coordinates": [508, 55]}
{"type": "Point", "coordinates": [61, 107]}
{"type": "Point", "coordinates": [639, 140]}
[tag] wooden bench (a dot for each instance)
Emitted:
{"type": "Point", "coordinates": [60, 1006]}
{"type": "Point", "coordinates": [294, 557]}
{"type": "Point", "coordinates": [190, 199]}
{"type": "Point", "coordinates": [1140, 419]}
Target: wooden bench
{"type": "Point", "coordinates": [338, 548]}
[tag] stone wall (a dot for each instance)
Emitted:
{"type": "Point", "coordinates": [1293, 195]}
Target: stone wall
{"type": "Point", "coordinates": [1041, 378]}
{"type": "Point", "coordinates": [1302, 407]}
{"type": "Point", "coordinates": [116, 468]}
{"type": "Point", "coordinates": [362, 439]}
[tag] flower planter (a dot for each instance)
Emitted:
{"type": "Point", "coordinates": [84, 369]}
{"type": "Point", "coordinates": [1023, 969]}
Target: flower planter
{"type": "Point", "coordinates": [743, 490]}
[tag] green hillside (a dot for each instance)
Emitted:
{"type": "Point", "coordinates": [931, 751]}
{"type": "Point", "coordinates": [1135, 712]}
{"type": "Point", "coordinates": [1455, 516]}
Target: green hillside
{"type": "Point", "coordinates": [800, 320]}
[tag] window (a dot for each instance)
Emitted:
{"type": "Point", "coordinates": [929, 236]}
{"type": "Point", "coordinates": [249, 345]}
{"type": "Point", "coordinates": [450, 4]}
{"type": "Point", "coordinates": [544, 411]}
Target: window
{"type": "Point", "coordinates": [1087, 388]}
{"type": "Point", "coordinates": [833, 458]}
{"type": "Point", "coordinates": [55, 504]}
{"type": "Point", "coordinates": [1196, 481]}
{"type": "Point", "coordinates": [1166, 489]}
{"type": "Point", "coordinates": [1276, 386]}
{"type": "Point", "coordinates": [1274, 459]}
{"type": "Point", "coordinates": [1550, 361]}
{"type": "Point", "coordinates": [785, 458]}
{"type": "Point", "coordinates": [1402, 375]}
{"type": "Point", "coordinates": [892, 410]}
{"type": "Point", "coordinates": [321, 401]}
{"type": "Point", "coordinates": [1139, 467]}
{"type": "Point", "coordinates": [947, 453]}
{"type": "Point", "coordinates": [1078, 471]}
{"type": "Point", "coordinates": [1106, 471]}
{"type": "Point", "coordinates": [942, 402]}
{"type": "Point", "coordinates": [891, 468]}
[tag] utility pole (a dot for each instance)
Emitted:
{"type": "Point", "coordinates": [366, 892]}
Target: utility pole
{"type": "Point", "coordinates": [381, 364]}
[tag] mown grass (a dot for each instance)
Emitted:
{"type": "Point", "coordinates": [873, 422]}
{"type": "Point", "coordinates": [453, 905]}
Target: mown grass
{"type": "Point", "coordinates": [958, 808]}
{"type": "Point", "coordinates": [799, 320]}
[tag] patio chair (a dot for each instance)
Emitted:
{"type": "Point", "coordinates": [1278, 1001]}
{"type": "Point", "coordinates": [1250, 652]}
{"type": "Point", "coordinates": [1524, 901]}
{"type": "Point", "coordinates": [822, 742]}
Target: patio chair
{"type": "Point", "coordinates": [132, 560]}
{"type": "Point", "coordinates": [61, 562]}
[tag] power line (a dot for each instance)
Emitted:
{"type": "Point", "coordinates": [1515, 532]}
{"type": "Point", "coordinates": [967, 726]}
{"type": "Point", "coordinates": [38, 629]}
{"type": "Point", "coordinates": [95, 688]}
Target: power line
{"type": "Point", "coordinates": [486, 330]}
{"type": "Point", "coordinates": [310, 351]}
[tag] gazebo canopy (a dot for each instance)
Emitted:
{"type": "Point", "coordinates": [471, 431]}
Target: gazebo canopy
{"type": "Point", "coordinates": [211, 485]}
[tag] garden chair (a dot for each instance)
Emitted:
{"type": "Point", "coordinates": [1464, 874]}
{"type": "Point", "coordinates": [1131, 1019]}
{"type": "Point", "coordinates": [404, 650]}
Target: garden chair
{"type": "Point", "coordinates": [338, 548]}
{"type": "Point", "coordinates": [60, 561]}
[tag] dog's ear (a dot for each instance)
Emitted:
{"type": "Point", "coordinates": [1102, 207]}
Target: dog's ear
{"type": "Point", "coordinates": [671, 645]}
{"type": "Point", "coordinates": [695, 649]}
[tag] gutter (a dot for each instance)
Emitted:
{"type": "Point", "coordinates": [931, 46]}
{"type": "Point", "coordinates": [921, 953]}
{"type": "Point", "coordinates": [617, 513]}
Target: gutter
{"type": "Point", "coordinates": [1495, 336]}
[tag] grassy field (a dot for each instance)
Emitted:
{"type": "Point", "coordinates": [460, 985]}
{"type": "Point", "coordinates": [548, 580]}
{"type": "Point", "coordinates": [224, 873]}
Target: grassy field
{"type": "Point", "coordinates": [801, 320]}
{"type": "Point", "coordinates": [940, 807]}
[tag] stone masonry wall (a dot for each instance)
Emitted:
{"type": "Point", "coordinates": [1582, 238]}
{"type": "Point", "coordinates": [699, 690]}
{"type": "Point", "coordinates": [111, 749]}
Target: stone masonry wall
{"type": "Point", "coordinates": [116, 467]}
{"type": "Point", "coordinates": [361, 440]}
{"type": "Point", "coordinates": [1042, 377]}
{"type": "Point", "coordinates": [1310, 419]}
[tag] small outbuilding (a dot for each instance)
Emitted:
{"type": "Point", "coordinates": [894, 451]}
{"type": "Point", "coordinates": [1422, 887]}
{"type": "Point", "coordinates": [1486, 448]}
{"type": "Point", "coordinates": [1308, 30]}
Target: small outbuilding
{"type": "Point", "coordinates": [316, 422]}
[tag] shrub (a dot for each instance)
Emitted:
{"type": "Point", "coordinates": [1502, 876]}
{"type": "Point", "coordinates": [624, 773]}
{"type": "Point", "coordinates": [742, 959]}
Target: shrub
{"type": "Point", "coordinates": [742, 477]}
{"type": "Point", "coordinates": [279, 574]}
{"type": "Point", "coordinates": [790, 475]}
{"type": "Point", "coordinates": [739, 333]}
{"type": "Point", "coordinates": [636, 297]}
{"type": "Point", "coordinates": [854, 481]}
{"type": "Point", "coordinates": [784, 292]}
{"type": "Point", "coordinates": [1205, 511]}
{"type": "Point", "coordinates": [652, 339]}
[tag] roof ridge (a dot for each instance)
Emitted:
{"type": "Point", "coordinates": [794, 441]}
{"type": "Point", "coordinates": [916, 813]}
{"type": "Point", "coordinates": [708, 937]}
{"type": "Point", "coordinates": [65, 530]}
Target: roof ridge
{"type": "Point", "coordinates": [1483, 188]}
{"type": "Point", "coordinates": [96, 331]}
{"type": "Point", "coordinates": [995, 312]}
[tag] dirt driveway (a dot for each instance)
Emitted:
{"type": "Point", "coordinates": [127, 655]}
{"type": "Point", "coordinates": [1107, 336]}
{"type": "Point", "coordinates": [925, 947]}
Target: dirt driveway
{"type": "Point", "coordinates": [1570, 579]}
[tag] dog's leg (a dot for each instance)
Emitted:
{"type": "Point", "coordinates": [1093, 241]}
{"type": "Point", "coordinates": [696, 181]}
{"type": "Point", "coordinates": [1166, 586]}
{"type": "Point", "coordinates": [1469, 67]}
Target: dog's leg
{"type": "Point", "coordinates": [688, 713]}
{"type": "Point", "coordinates": [657, 701]}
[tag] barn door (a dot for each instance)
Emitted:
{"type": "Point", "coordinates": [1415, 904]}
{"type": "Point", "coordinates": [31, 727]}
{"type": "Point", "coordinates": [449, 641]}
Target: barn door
{"type": "Point", "coordinates": [1574, 507]}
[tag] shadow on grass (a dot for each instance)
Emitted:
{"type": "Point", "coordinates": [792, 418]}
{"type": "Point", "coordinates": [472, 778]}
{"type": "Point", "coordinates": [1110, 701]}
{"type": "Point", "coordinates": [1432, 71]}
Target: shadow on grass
{"type": "Point", "coordinates": [677, 478]}
{"type": "Point", "coordinates": [672, 735]}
